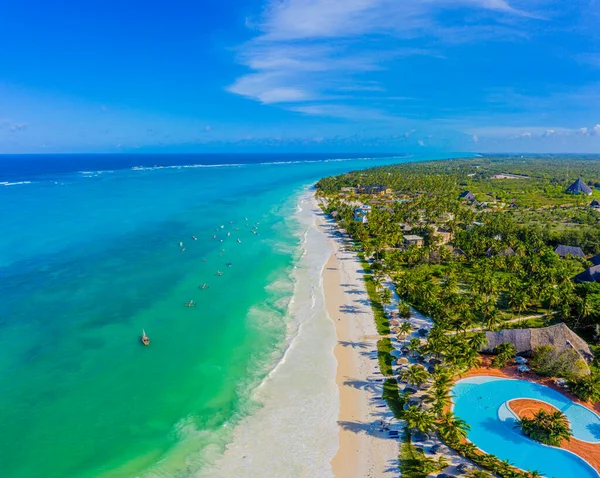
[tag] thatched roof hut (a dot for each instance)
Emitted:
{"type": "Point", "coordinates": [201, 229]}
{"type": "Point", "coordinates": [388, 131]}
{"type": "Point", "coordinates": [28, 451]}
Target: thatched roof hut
{"type": "Point", "coordinates": [564, 251]}
{"type": "Point", "coordinates": [589, 275]}
{"type": "Point", "coordinates": [579, 187]}
{"type": "Point", "coordinates": [525, 341]}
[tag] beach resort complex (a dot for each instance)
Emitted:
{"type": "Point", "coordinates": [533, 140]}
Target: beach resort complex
{"type": "Point", "coordinates": [481, 276]}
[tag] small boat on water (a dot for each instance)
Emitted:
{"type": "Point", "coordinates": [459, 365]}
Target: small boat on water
{"type": "Point", "coordinates": [239, 240]}
{"type": "Point", "coordinates": [229, 264]}
{"type": "Point", "coordinates": [219, 273]}
{"type": "Point", "coordinates": [191, 303]}
{"type": "Point", "coordinates": [145, 339]}
{"type": "Point", "coordinates": [214, 236]}
{"type": "Point", "coordinates": [194, 238]}
{"type": "Point", "coordinates": [229, 233]}
{"type": "Point", "coordinates": [183, 250]}
{"type": "Point", "coordinates": [204, 286]}
{"type": "Point", "coordinates": [180, 243]}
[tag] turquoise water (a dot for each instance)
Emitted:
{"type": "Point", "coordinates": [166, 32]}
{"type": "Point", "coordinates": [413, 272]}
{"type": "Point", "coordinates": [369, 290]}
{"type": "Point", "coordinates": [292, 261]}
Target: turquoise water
{"type": "Point", "coordinates": [88, 259]}
{"type": "Point", "coordinates": [481, 402]}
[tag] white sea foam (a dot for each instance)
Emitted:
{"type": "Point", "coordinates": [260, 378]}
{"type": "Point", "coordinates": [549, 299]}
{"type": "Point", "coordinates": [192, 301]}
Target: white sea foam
{"type": "Point", "coordinates": [16, 183]}
{"type": "Point", "coordinates": [295, 432]}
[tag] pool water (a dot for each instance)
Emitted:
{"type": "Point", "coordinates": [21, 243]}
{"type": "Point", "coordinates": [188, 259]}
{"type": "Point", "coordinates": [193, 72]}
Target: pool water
{"type": "Point", "coordinates": [481, 402]}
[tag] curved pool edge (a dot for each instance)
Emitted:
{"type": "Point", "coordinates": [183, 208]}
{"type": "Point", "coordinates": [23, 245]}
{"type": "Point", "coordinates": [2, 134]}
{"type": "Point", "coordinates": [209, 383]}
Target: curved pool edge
{"type": "Point", "coordinates": [505, 413]}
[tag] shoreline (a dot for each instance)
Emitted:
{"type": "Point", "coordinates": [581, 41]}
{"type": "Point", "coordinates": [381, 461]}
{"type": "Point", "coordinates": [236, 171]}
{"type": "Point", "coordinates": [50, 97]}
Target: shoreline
{"type": "Point", "coordinates": [364, 449]}
{"type": "Point", "coordinates": [293, 433]}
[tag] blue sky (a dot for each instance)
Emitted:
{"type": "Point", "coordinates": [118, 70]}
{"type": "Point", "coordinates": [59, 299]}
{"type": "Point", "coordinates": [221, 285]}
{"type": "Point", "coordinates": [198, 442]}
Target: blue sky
{"type": "Point", "coordinates": [300, 75]}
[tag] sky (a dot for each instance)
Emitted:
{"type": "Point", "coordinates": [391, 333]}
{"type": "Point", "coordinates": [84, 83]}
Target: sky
{"type": "Point", "coordinates": [300, 76]}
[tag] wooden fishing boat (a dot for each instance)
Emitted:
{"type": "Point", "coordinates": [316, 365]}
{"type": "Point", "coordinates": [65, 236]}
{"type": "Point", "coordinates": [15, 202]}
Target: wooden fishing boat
{"type": "Point", "coordinates": [145, 339]}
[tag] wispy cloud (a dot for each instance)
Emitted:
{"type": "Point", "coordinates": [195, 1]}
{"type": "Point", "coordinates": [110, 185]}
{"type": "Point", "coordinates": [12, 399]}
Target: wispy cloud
{"type": "Point", "coordinates": [319, 50]}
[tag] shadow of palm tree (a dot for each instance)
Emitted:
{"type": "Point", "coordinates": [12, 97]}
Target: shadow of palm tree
{"type": "Point", "coordinates": [354, 345]}
{"type": "Point", "coordinates": [363, 385]}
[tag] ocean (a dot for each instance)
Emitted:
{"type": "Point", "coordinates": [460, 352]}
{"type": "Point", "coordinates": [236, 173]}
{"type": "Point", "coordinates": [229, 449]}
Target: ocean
{"type": "Point", "coordinates": [95, 248]}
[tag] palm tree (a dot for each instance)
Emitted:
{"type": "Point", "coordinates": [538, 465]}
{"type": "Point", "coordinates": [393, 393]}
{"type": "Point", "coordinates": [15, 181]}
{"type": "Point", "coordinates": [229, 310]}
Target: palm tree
{"type": "Point", "coordinates": [415, 375]}
{"type": "Point", "coordinates": [477, 473]}
{"type": "Point", "coordinates": [588, 388]}
{"type": "Point", "coordinates": [453, 429]}
{"type": "Point", "coordinates": [550, 428]}
{"type": "Point", "coordinates": [414, 345]}
{"type": "Point", "coordinates": [431, 465]}
{"type": "Point", "coordinates": [386, 296]}
{"type": "Point", "coordinates": [417, 419]}
{"type": "Point", "coordinates": [405, 329]}
{"type": "Point", "coordinates": [477, 341]}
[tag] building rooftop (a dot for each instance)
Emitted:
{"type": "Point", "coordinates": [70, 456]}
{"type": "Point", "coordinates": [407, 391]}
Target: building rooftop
{"type": "Point", "coordinates": [589, 275]}
{"type": "Point", "coordinates": [564, 251]}
{"type": "Point", "coordinates": [579, 187]}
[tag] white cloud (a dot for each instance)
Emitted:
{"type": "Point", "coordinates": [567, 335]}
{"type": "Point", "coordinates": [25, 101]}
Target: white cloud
{"type": "Point", "coordinates": [15, 127]}
{"type": "Point", "coordinates": [316, 50]}
{"type": "Point", "coordinates": [526, 134]}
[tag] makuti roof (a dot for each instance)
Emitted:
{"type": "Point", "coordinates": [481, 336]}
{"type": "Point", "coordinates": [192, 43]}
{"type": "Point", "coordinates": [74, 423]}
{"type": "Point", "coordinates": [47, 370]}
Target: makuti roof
{"type": "Point", "coordinates": [564, 251]}
{"type": "Point", "coordinates": [589, 275]}
{"type": "Point", "coordinates": [525, 341]}
{"type": "Point", "coordinates": [579, 187]}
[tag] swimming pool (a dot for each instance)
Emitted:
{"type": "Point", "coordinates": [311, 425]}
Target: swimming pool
{"type": "Point", "coordinates": [481, 402]}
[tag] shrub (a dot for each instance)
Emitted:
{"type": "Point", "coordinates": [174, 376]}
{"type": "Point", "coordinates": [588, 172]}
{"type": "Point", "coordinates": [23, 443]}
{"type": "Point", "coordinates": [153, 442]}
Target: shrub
{"type": "Point", "coordinates": [505, 353]}
{"type": "Point", "coordinates": [587, 388]}
{"type": "Point", "coordinates": [548, 428]}
{"type": "Point", "coordinates": [568, 364]}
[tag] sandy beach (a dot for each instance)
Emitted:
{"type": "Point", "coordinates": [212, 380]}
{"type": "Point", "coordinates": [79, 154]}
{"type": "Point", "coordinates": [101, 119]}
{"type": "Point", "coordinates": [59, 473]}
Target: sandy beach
{"type": "Point", "coordinates": [364, 449]}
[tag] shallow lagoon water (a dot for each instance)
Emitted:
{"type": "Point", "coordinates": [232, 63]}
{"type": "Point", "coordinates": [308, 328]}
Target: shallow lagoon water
{"type": "Point", "coordinates": [90, 255]}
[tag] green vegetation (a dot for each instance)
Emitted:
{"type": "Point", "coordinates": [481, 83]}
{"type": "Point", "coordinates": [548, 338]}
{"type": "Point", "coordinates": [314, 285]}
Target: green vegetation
{"type": "Point", "coordinates": [477, 264]}
{"type": "Point", "coordinates": [588, 387]}
{"type": "Point", "coordinates": [548, 428]}
{"type": "Point", "coordinates": [504, 353]}
{"type": "Point", "coordinates": [393, 398]}
{"type": "Point", "coordinates": [547, 362]}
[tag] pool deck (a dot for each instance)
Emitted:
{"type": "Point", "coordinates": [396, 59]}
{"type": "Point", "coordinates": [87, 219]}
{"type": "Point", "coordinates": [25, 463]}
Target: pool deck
{"type": "Point", "coordinates": [590, 452]}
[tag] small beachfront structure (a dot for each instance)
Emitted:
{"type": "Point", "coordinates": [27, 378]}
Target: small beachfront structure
{"type": "Point", "coordinates": [525, 341]}
{"type": "Point", "coordinates": [564, 251]}
{"type": "Point", "coordinates": [595, 260]}
{"type": "Point", "coordinates": [412, 240]}
{"type": "Point", "coordinates": [589, 275]}
{"type": "Point", "coordinates": [467, 195]}
{"type": "Point", "coordinates": [595, 204]}
{"type": "Point", "coordinates": [579, 187]}
{"type": "Point", "coordinates": [361, 213]}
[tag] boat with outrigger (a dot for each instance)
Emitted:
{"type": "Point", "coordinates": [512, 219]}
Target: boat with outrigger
{"type": "Point", "coordinates": [191, 303]}
{"type": "Point", "coordinates": [145, 339]}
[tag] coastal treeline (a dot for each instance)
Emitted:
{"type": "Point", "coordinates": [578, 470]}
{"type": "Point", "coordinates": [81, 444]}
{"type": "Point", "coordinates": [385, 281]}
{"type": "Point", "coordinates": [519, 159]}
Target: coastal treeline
{"type": "Point", "coordinates": [477, 244]}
